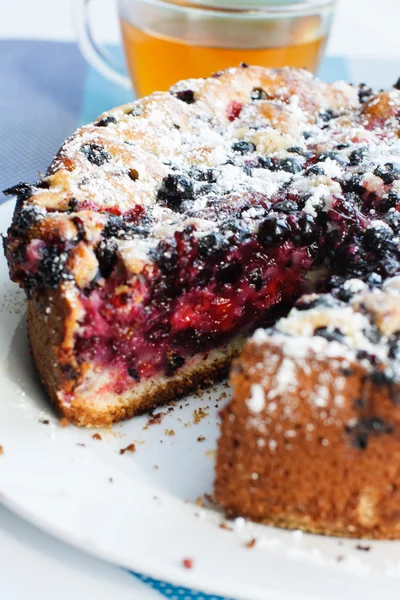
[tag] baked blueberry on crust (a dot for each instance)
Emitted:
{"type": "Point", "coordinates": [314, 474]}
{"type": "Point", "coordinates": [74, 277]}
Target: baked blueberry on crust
{"type": "Point", "coordinates": [165, 232]}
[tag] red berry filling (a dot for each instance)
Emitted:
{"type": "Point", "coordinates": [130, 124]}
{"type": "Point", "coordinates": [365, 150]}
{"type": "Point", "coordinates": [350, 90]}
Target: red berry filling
{"type": "Point", "coordinates": [159, 321]}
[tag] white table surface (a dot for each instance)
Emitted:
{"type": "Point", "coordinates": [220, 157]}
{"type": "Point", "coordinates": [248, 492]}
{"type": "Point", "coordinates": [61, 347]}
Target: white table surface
{"type": "Point", "coordinates": [34, 566]}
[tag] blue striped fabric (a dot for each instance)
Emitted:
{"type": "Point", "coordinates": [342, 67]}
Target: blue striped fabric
{"type": "Point", "coordinates": [47, 90]}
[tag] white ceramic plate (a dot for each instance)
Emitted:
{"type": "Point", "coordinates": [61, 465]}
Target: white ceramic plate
{"type": "Point", "coordinates": [123, 508]}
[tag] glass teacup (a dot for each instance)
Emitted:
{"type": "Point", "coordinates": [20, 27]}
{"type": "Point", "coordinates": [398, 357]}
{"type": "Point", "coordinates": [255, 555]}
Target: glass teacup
{"type": "Point", "coordinates": [168, 40]}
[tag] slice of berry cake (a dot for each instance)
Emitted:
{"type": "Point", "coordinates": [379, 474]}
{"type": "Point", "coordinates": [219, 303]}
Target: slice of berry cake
{"type": "Point", "coordinates": [168, 230]}
{"type": "Point", "coordinates": [311, 439]}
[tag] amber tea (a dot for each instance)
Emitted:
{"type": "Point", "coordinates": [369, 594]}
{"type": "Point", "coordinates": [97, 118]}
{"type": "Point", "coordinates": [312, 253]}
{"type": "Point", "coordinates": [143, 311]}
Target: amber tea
{"type": "Point", "coordinates": [155, 63]}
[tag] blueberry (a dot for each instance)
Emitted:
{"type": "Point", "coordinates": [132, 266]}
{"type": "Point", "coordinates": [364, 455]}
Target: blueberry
{"type": "Point", "coordinates": [341, 159]}
{"type": "Point", "coordinates": [106, 121]}
{"type": "Point", "coordinates": [211, 244]}
{"type": "Point", "coordinates": [389, 266]}
{"type": "Point", "coordinates": [243, 147]}
{"type": "Point", "coordinates": [133, 374]}
{"type": "Point", "coordinates": [360, 441]}
{"type": "Point", "coordinates": [229, 272]}
{"type": "Point", "coordinates": [52, 266]}
{"type": "Point", "coordinates": [389, 172]}
{"type": "Point", "coordinates": [342, 146]}
{"type": "Point", "coordinates": [307, 230]}
{"type": "Point", "coordinates": [136, 111]}
{"type": "Point", "coordinates": [203, 276]}
{"type": "Point", "coordinates": [394, 347]}
{"type": "Point", "coordinates": [332, 335]}
{"type": "Point", "coordinates": [357, 156]}
{"type": "Point", "coordinates": [22, 190]}
{"type": "Point", "coordinates": [392, 218]}
{"type": "Point", "coordinates": [273, 231]}
{"type": "Point", "coordinates": [174, 190]}
{"type": "Point", "coordinates": [266, 163]}
{"type": "Point", "coordinates": [364, 93]}
{"type": "Point", "coordinates": [290, 165]}
{"type": "Point", "coordinates": [114, 227]}
{"type": "Point", "coordinates": [388, 201]}
{"type": "Point", "coordinates": [106, 254]}
{"type": "Point", "coordinates": [258, 94]}
{"type": "Point", "coordinates": [327, 115]}
{"type": "Point", "coordinates": [247, 170]}
{"type": "Point", "coordinates": [380, 378]}
{"type": "Point", "coordinates": [237, 227]}
{"type": "Point", "coordinates": [173, 363]}
{"type": "Point", "coordinates": [205, 189]}
{"type": "Point", "coordinates": [377, 237]}
{"type": "Point", "coordinates": [354, 184]}
{"type": "Point", "coordinates": [295, 150]}
{"type": "Point", "coordinates": [372, 334]}
{"type": "Point", "coordinates": [208, 175]}
{"type": "Point", "coordinates": [285, 206]}
{"type": "Point", "coordinates": [117, 227]}
{"type": "Point", "coordinates": [307, 135]}
{"type": "Point", "coordinates": [314, 170]}
{"type": "Point", "coordinates": [24, 218]}
{"type": "Point", "coordinates": [166, 256]}
{"type": "Point", "coordinates": [95, 154]}
{"type": "Point", "coordinates": [186, 96]}
{"type": "Point", "coordinates": [73, 204]}
{"type": "Point", "coordinates": [81, 233]}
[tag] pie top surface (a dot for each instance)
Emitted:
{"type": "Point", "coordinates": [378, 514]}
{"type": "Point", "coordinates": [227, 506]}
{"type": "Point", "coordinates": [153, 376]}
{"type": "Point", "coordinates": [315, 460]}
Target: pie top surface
{"type": "Point", "coordinates": [249, 151]}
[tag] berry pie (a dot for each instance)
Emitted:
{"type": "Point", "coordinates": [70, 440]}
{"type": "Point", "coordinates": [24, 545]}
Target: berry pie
{"type": "Point", "coordinates": [167, 231]}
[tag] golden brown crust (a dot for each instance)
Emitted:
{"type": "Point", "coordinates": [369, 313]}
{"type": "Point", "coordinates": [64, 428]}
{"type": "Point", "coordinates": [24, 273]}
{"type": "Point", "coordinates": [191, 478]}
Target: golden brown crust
{"type": "Point", "coordinates": [305, 471]}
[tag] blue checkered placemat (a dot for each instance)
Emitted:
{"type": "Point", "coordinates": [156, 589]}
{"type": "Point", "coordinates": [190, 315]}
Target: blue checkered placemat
{"type": "Point", "coordinates": [47, 90]}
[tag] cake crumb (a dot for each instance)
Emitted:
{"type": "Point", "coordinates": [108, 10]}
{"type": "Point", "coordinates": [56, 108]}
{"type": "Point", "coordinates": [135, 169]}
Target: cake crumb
{"type": "Point", "coordinates": [201, 438]}
{"type": "Point", "coordinates": [251, 543]}
{"type": "Point", "coordinates": [199, 414]}
{"type": "Point", "coordinates": [44, 421]}
{"type": "Point", "coordinates": [210, 499]}
{"type": "Point", "coordinates": [225, 526]}
{"type": "Point", "coordinates": [64, 422]}
{"type": "Point", "coordinates": [156, 467]}
{"type": "Point", "coordinates": [363, 548]}
{"type": "Point", "coordinates": [96, 436]}
{"type": "Point", "coordinates": [155, 419]}
{"type": "Point", "coordinates": [187, 563]}
{"type": "Point", "coordinates": [1, 450]}
{"type": "Point", "coordinates": [130, 448]}
{"type": "Point", "coordinates": [169, 432]}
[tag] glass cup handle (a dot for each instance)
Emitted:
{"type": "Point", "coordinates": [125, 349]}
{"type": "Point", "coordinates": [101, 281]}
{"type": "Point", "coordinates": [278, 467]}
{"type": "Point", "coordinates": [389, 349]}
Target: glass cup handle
{"type": "Point", "coordinates": [93, 53]}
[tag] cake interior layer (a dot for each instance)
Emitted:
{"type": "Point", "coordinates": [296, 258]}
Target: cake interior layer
{"type": "Point", "coordinates": [152, 323]}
